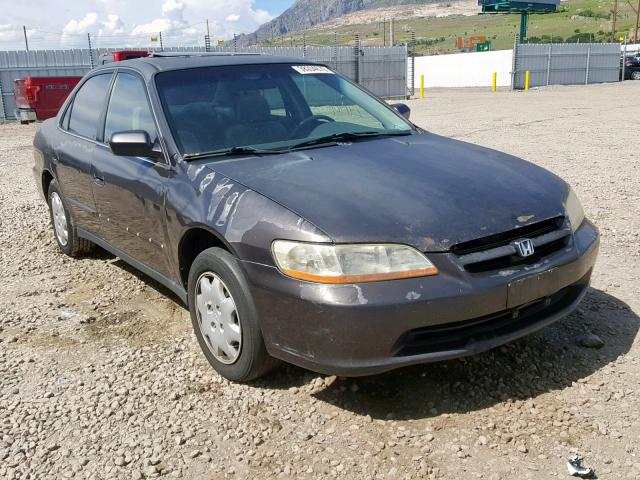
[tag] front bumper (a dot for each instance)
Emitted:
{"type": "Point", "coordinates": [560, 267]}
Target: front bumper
{"type": "Point", "coordinates": [373, 327]}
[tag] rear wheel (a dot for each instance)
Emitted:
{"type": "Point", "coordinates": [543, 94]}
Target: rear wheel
{"type": "Point", "coordinates": [225, 319]}
{"type": "Point", "coordinates": [635, 75]}
{"type": "Point", "coordinates": [64, 228]}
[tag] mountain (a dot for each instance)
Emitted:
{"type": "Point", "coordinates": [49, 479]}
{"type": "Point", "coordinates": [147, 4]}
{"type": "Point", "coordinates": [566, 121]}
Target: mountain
{"type": "Point", "coordinates": [304, 14]}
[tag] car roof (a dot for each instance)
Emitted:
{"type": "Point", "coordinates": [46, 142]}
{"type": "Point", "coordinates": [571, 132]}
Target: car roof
{"type": "Point", "coordinates": [184, 60]}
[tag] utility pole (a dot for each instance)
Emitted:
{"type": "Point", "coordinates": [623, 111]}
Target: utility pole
{"type": "Point", "coordinates": [384, 32]}
{"type": "Point", "coordinates": [208, 33]}
{"type": "Point", "coordinates": [615, 17]}
{"type": "Point", "coordinates": [26, 43]}
{"type": "Point", "coordinates": [637, 23]}
{"type": "Point", "coordinates": [391, 33]}
{"type": "Point", "coordinates": [161, 46]}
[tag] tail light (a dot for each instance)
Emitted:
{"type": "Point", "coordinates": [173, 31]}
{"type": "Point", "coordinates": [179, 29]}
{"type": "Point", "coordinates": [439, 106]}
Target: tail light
{"type": "Point", "coordinates": [31, 93]}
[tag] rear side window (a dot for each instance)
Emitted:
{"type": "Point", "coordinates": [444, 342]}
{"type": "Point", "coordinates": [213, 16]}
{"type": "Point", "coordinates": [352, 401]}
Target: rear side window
{"type": "Point", "coordinates": [87, 106]}
{"type": "Point", "coordinates": [128, 108]}
{"type": "Point", "coordinates": [325, 99]}
{"type": "Point", "coordinates": [275, 101]}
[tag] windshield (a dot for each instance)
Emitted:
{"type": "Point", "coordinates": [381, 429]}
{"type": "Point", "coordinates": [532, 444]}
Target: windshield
{"type": "Point", "coordinates": [267, 107]}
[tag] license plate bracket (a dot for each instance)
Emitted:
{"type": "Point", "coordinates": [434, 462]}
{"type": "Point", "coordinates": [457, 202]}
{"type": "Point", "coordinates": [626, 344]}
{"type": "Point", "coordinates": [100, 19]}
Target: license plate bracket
{"type": "Point", "coordinates": [533, 287]}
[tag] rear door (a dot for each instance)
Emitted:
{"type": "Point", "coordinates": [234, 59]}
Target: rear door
{"type": "Point", "coordinates": [73, 154]}
{"type": "Point", "coordinates": [130, 191]}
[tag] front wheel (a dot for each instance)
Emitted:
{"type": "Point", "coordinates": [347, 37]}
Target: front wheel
{"type": "Point", "coordinates": [635, 75]}
{"type": "Point", "coordinates": [225, 319]}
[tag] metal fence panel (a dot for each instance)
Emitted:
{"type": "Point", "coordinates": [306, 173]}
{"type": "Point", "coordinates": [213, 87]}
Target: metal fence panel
{"type": "Point", "coordinates": [566, 63]}
{"type": "Point", "coordinates": [382, 70]}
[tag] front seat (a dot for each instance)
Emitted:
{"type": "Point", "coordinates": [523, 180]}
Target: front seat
{"type": "Point", "coordinates": [255, 124]}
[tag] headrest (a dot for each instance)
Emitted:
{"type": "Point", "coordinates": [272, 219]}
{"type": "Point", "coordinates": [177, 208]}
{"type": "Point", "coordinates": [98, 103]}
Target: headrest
{"type": "Point", "coordinates": [253, 109]}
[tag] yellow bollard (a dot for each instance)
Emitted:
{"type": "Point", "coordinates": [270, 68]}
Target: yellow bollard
{"type": "Point", "coordinates": [527, 76]}
{"type": "Point", "coordinates": [421, 86]}
{"type": "Point", "coordinates": [494, 82]}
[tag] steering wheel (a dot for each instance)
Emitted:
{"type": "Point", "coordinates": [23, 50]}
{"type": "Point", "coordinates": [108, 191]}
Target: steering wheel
{"type": "Point", "coordinates": [307, 121]}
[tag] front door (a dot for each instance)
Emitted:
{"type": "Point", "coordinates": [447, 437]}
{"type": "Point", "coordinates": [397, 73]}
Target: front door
{"type": "Point", "coordinates": [130, 191]}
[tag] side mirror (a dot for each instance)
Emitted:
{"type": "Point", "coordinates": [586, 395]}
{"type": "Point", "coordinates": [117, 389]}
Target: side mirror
{"type": "Point", "coordinates": [402, 109]}
{"type": "Point", "coordinates": [133, 143]}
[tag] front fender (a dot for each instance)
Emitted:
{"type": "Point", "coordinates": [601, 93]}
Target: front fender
{"type": "Point", "coordinates": [244, 220]}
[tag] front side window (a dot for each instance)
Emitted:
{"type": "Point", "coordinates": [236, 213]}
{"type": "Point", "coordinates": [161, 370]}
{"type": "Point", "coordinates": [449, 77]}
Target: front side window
{"type": "Point", "coordinates": [87, 106]}
{"type": "Point", "coordinates": [128, 108]}
{"type": "Point", "coordinates": [267, 107]}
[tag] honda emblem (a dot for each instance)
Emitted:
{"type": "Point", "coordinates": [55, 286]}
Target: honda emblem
{"type": "Point", "coordinates": [524, 247]}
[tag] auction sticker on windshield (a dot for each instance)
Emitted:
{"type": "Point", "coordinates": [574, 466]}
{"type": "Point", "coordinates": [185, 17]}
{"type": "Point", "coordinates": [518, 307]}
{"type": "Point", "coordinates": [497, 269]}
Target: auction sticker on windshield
{"type": "Point", "coordinates": [311, 69]}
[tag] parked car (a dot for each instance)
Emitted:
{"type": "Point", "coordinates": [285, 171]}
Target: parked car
{"type": "Point", "coordinates": [632, 67]}
{"type": "Point", "coordinates": [39, 98]}
{"type": "Point", "coordinates": [302, 219]}
{"type": "Point", "coordinates": [121, 56]}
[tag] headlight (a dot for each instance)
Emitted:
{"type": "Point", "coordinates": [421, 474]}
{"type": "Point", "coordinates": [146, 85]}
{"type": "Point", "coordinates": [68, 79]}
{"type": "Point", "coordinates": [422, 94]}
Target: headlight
{"type": "Point", "coordinates": [574, 210]}
{"type": "Point", "coordinates": [354, 263]}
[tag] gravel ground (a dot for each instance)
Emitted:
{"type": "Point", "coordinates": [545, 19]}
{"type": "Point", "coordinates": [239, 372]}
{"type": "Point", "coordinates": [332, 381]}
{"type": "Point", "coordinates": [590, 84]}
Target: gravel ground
{"type": "Point", "coordinates": [102, 377]}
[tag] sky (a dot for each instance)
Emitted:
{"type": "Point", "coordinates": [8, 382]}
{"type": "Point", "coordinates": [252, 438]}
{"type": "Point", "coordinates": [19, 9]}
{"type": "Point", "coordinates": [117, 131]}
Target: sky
{"type": "Point", "coordinates": [111, 23]}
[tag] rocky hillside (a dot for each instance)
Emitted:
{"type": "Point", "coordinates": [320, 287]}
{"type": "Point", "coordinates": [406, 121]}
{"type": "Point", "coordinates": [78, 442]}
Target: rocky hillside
{"type": "Point", "coordinates": [304, 14]}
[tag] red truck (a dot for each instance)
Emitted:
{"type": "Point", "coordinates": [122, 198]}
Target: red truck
{"type": "Point", "coordinates": [39, 98]}
{"type": "Point", "coordinates": [121, 55]}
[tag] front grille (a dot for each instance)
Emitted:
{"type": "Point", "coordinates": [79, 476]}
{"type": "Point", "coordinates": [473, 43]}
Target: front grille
{"type": "Point", "coordinates": [496, 252]}
{"type": "Point", "coordinates": [456, 336]}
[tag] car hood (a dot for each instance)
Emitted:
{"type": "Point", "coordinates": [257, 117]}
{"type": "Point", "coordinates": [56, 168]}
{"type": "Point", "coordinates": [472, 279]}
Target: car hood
{"type": "Point", "coordinates": [423, 190]}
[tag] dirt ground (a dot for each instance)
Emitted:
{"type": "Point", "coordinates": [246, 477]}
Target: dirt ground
{"type": "Point", "coordinates": [102, 377]}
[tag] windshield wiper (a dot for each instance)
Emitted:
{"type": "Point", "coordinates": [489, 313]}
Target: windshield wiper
{"type": "Point", "coordinates": [232, 151]}
{"type": "Point", "coordinates": [329, 139]}
{"type": "Point", "coordinates": [338, 137]}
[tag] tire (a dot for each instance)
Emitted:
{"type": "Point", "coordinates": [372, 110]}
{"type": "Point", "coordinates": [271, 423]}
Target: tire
{"type": "Point", "coordinates": [70, 244]}
{"type": "Point", "coordinates": [223, 313]}
{"type": "Point", "coordinates": [635, 75]}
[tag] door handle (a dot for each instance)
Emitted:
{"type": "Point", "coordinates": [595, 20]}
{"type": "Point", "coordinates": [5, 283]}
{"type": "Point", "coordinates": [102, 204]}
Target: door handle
{"type": "Point", "coordinates": [98, 180]}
